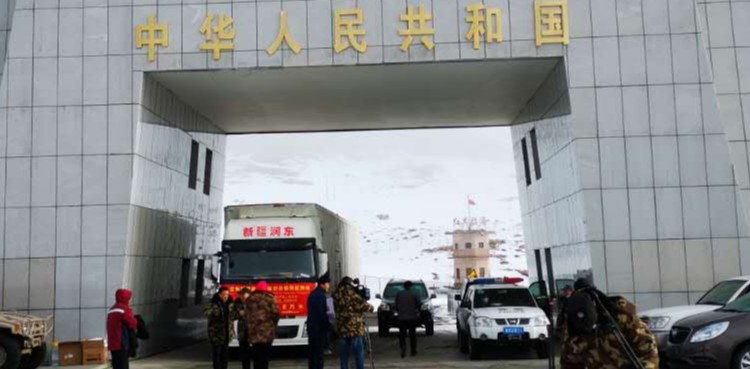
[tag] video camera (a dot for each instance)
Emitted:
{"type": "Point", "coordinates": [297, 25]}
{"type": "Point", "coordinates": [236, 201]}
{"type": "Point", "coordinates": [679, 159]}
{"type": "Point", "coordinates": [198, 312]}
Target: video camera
{"type": "Point", "coordinates": [361, 290]}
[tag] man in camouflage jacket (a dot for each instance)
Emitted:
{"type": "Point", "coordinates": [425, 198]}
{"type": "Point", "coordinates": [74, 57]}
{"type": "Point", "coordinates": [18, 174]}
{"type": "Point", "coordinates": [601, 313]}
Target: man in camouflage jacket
{"type": "Point", "coordinates": [603, 350]}
{"type": "Point", "coordinates": [261, 317]}
{"type": "Point", "coordinates": [350, 324]}
{"type": "Point", "coordinates": [221, 314]}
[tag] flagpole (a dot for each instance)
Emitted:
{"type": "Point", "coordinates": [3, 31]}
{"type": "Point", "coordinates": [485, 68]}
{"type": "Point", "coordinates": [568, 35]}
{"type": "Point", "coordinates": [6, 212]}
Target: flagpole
{"type": "Point", "coordinates": [468, 210]}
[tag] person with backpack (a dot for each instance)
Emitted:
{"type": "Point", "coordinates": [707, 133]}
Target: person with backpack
{"type": "Point", "coordinates": [599, 331]}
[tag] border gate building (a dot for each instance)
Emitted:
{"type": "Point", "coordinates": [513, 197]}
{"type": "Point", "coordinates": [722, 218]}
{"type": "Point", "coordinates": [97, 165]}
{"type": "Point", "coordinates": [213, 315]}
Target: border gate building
{"type": "Point", "coordinates": [630, 122]}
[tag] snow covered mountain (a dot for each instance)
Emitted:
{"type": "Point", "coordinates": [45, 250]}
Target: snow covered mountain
{"type": "Point", "coordinates": [424, 252]}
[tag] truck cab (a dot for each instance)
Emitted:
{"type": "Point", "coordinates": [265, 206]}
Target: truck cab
{"type": "Point", "coordinates": [288, 246]}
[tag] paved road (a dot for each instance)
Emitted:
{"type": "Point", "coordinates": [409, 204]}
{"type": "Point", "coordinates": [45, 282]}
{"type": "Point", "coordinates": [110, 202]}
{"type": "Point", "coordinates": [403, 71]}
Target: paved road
{"type": "Point", "coordinates": [439, 351]}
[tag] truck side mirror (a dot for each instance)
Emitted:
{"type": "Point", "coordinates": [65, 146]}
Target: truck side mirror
{"type": "Point", "coordinates": [457, 297]}
{"type": "Point", "coordinates": [433, 296]}
{"type": "Point", "coordinates": [378, 297]}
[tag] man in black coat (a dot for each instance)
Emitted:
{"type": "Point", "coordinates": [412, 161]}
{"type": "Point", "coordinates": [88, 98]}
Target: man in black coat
{"type": "Point", "coordinates": [318, 324]}
{"type": "Point", "coordinates": [407, 307]}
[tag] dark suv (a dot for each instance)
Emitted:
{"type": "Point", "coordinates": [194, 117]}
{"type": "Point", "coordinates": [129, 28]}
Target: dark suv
{"type": "Point", "coordinates": [386, 316]}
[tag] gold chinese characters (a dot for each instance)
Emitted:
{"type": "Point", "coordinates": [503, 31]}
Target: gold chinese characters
{"type": "Point", "coordinates": [485, 25]}
{"type": "Point", "coordinates": [155, 35]}
{"type": "Point", "coordinates": [219, 34]}
{"type": "Point", "coordinates": [551, 22]}
{"type": "Point", "coordinates": [484, 22]}
{"type": "Point", "coordinates": [283, 36]}
{"type": "Point", "coordinates": [349, 31]}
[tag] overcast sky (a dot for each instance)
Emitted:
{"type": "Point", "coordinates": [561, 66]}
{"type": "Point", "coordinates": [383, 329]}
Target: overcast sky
{"type": "Point", "coordinates": [413, 176]}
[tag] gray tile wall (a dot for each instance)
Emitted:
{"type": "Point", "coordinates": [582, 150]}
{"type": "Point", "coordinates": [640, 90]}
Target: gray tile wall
{"type": "Point", "coordinates": [654, 192]}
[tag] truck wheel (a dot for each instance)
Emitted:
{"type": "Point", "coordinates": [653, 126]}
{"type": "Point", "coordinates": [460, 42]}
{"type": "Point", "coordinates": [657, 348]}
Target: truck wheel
{"type": "Point", "coordinates": [383, 330]}
{"type": "Point", "coordinates": [34, 360]}
{"type": "Point", "coordinates": [475, 351]}
{"type": "Point", "coordinates": [542, 350]}
{"type": "Point", "coordinates": [429, 329]}
{"type": "Point", "coordinates": [10, 352]}
{"type": "Point", "coordinates": [463, 343]}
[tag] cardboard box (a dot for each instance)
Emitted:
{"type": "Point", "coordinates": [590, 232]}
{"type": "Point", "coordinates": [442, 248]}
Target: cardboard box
{"type": "Point", "coordinates": [95, 356]}
{"type": "Point", "coordinates": [94, 352]}
{"type": "Point", "coordinates": [71, 353]}
{"type": "Point", "coordinates": [96, 343]}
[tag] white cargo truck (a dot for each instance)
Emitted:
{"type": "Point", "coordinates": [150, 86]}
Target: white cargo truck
{"type": "Point", "coordinates": [289, 246]}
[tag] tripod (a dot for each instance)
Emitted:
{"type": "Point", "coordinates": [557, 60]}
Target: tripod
{"type": "Point", "coordinates": [368, 342]}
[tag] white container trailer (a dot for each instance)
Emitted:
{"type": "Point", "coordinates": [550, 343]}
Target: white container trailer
{"type": "Point", "coordinates": [289, 246]}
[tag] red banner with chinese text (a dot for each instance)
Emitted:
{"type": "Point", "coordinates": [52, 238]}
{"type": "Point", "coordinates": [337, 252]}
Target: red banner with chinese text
{"type": "Point", "coordinates": [290, 297]}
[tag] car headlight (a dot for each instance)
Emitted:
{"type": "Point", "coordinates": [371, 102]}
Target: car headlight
{"type": "Point", "coordinates": [709, 332]}
{"type": "Point", "coordinates": [541, 321]}
{"type": "Point", "coordinates": [658, 323]}
{"type": "Point", "coordinates": [482, 322]}
{"type": "Point", "coordinates": [384, 307]}
{"type": "Point", "coordinates": [426, 306]}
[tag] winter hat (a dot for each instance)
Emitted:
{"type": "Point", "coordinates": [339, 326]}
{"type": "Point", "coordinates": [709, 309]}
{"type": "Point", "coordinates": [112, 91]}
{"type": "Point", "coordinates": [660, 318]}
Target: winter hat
{"type": "Point", "coordinates": [325, 278]}
{"type": "Point", "coordinates": [262, 286]}
{"type": "Point", "coordinates": [581, 283]}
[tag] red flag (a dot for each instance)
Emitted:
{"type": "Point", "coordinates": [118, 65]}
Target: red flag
{"type": "Point", "coordinates": [471, 202]}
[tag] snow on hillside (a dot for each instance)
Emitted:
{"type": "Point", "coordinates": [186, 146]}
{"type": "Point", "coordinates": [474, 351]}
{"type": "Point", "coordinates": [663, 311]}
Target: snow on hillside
{"type": "Point", "coordinates": [424, 252]}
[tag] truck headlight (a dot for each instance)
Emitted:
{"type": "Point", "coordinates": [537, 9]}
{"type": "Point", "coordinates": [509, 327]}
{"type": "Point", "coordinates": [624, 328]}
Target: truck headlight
{"type": "Point", "coordinates": [658, 323]}
{"type": "Point", "coordinates": [426, 306]}
{"type": "Point", "coordinates": [709, 332]}
{"type": "Point", "coordinates": [384, 307]}
{"type": "Point", "coordinates": [541, 321]}
{"type": "Point", "coordinates": [483, 322]}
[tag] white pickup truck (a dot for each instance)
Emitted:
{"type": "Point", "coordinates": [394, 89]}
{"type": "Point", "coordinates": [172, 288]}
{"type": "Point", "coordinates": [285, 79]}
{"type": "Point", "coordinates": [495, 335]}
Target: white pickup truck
{"type": "Point", "coordinates": [500, 315]}
{"type": "Point", "coordinates": [660, 321]}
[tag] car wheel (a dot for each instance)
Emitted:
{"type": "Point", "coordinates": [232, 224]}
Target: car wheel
{"type": "Point", "coordinates": [742, 358]}
{"type": "Point", "coordinates": [475, 350]}
{"type": "Point", "coordinates": [463, 343]}
{"type": "Point", "coordinates": [383, 330]}
{"type": "Point", "coordinates": [34, 360]}
{"type": "Point", "coordinates": [10, 352]}
{"type": "Point", "coordinates": [429, 329]}
{"type": "Point", "coordinates": [542, 350]}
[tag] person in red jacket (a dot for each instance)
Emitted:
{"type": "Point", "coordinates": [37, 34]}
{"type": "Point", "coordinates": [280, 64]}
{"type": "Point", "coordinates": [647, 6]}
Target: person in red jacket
{"type": "Point", "coordinates": [121, 324]}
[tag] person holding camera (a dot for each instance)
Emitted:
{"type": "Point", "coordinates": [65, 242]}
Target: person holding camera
{"type": "Point", "coordinates": [350, 308]}
{"type": "Point", "coordinates": [599, 331]}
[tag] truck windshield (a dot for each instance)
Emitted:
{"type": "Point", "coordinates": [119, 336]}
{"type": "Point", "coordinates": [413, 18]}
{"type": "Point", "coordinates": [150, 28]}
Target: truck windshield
{"type": "Point", "coordinates": [503, 297]}
{"type": "Point", "coordinates": [721, 293]}
{"type": "Point", "coordinates": [269, 259]}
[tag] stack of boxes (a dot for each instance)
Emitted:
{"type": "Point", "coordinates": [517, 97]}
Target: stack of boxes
{"type": "Point", "coordinates": [88, 352]}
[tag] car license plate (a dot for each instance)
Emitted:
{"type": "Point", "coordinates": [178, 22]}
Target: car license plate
{"type": "Point", "coordinates": [513, 331]}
